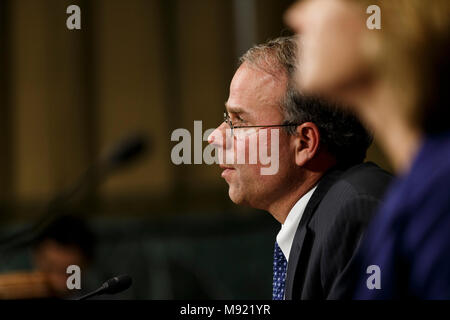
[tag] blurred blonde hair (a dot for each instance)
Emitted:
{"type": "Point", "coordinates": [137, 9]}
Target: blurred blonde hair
{"type": "Point", "coordinates": [411, 52]}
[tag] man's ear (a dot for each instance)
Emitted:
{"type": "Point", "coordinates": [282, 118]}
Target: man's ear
{"type": "Point", "coordinates": [306, 142]}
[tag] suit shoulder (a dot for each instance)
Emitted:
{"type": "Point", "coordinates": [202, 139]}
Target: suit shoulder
{"type": "Point", "coordinates": [354, 195]}
{"type": "Point", "coordinates": [365, 179]}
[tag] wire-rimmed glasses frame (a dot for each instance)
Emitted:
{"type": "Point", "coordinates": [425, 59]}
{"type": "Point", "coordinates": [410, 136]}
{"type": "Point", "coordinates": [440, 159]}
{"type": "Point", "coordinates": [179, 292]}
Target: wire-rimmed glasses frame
{"type": "Point", "coordinates": [227, 120]}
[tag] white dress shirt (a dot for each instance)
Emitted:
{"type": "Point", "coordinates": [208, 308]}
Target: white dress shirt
{"type": "Point", "coordinates": [286, 235]}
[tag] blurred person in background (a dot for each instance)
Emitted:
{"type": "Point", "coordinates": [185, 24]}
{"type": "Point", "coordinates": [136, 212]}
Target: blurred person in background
{"type": "Point", "coordinates": [397, 80]}
{"type": "Point", "coordinates": [65, 241]}
{"type": "Point", "coordinates": [323, 194]}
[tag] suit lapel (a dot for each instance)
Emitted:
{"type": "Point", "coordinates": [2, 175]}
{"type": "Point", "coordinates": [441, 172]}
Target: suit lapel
{"type": "Point", "coordinates": [292, 276]}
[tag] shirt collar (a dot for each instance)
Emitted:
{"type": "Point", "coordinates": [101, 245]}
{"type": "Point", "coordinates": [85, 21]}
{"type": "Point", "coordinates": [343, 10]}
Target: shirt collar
{"type": "Point", "coordinates": [286, 234]}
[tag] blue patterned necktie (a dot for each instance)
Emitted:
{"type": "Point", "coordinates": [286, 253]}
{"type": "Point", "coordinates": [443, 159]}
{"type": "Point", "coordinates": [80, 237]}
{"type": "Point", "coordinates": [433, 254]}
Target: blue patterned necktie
{"type": "Point", "coordinates": [279, 273]}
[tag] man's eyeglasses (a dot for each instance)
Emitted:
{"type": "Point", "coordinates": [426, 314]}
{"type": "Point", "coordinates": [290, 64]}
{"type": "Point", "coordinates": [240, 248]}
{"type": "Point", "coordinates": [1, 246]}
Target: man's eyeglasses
{"type": "Point", "coordinates": [227, 120]}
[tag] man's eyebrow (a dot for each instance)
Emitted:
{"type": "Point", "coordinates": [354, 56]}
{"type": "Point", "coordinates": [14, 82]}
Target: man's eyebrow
{"type": "Point", "coordinates": [233, 109]}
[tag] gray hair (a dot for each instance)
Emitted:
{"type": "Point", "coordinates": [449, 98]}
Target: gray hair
{"type": "Point", "coordinates": [340, 131]}
{"type": "Point", "coordinates": [277, 57]}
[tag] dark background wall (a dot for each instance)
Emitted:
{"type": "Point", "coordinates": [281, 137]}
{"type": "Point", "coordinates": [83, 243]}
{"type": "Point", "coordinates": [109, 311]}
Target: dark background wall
{"type": "Point", "coordinates": [138, 65]}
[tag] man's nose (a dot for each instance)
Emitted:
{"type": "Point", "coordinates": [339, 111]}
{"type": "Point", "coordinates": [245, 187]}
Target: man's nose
{"type": "Point", "coordinates": [217, 137]}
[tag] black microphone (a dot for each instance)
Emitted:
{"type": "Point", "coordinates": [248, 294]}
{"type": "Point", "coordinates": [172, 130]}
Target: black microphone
{"type": "Point", "coordinates": [125, 150]}
{"type": "Point", "coordinates": [112, 286]}
{"type": "Point", "coordinates": [120, 154]}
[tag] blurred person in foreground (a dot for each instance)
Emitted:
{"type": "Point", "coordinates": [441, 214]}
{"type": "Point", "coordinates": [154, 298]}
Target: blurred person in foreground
{"type": "Point", "coordinates": [322, 193]}
{"type": "Point", "coordinates": [397, 79]}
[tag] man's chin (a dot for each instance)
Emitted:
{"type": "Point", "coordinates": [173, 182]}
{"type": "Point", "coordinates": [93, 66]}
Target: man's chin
{"type": "Point", "coordinates": [243, 200]}
{"type": "Point", "coordinates": [235, 196]}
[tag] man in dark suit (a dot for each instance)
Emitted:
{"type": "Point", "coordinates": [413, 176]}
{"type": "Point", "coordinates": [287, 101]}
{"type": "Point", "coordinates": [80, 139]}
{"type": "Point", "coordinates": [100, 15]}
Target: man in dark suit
{"type": "Point", "coordinates": [330, 231]}
{"type": "Point", "coordinates": [311, 178]}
